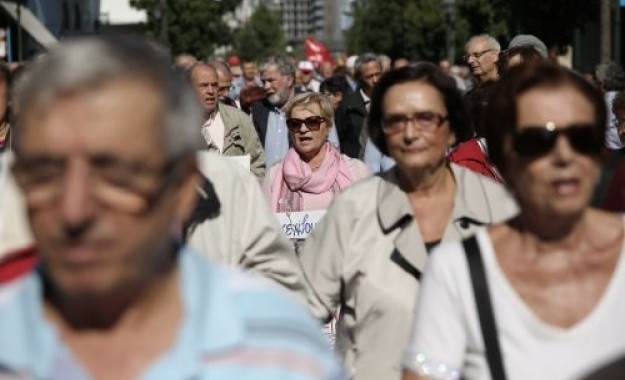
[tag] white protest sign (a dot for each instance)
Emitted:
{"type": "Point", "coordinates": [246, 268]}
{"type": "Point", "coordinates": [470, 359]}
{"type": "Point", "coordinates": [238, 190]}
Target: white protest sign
{"type": "Point", "coordinates": [298, 225]}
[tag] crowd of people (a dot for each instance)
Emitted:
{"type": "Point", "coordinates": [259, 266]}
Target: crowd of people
{"type": "Point", "coordinates": [469, 227]}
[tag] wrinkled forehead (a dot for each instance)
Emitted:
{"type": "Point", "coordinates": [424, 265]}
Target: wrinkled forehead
{"type": "Point", "coordinates": [476, 44]}
{"type": "Point", "coordinates": [271, 70]}
{"type": "Point", "coordinates": [122, 116]}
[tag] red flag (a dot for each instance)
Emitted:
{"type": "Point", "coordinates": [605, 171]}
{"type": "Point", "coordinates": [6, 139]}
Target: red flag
{"type": "Point", "coordinates": [317, 52]}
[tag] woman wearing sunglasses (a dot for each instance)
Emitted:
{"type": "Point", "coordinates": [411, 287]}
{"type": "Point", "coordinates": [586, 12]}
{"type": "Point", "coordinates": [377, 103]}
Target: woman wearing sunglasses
{"type": "Point", "coordinates": [369, 252]}
{"type": "Point", "coordinates": [313, 170]}
{"type": "Point", "coordinates": [554, 279]}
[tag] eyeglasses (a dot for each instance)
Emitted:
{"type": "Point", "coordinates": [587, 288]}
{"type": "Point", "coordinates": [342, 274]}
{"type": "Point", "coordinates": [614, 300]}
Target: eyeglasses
{"type": "Point", "coordinates": [476, 55]}
{"type": "Point", "coordinates": [313, 123]}
{"type": "Point", "coordinates": [123, 185]}
{"type": "Point", "coordinates": [540, 140]}
{"type": "Point", "coordinates": [619, 123]}
{"type": "Point", "coordinates": [428, 121]}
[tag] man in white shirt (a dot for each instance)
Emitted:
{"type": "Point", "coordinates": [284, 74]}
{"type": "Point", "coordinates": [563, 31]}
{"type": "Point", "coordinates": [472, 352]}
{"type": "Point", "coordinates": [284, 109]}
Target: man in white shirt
{"type": "Point", "coordinates": [226, 129]}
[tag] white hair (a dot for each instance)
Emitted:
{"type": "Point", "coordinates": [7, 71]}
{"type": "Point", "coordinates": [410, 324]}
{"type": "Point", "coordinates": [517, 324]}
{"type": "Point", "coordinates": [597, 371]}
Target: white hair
{"type": "Point", "coordinates": [83, 63]}
{"type": "Point", "coordinates": [490, 40]}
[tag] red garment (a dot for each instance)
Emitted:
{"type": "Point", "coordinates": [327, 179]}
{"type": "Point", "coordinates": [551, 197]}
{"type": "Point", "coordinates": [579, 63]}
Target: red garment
{"type": "Point", "coordinates": [471, 155]}
{"type": "Point", "coordinates": [614, 199]}
{"type": "Point", "coordinates": [316, 51]}
{"type": "Point", "coordinates": [17, 264]}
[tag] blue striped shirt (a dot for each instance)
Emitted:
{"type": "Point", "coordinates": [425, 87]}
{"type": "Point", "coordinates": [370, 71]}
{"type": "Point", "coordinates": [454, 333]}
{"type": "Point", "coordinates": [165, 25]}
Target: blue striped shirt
{"type": "Point", "coordinates": [235, 327]}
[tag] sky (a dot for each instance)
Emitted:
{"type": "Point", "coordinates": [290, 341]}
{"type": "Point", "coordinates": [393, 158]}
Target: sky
{"type": "Point", "coordinates": [120, 12]}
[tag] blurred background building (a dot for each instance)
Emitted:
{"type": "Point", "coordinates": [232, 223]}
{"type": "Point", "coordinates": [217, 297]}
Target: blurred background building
{"type": "Point", "coordinates": [29, 26]}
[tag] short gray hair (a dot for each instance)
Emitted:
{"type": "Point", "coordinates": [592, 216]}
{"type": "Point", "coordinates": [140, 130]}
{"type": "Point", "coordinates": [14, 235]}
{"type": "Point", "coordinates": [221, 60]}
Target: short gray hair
{"type": "Point", "coordinates": [490, 40]}
{"type": "Point", "coordinates": [611, 75]}
{"type": "Point", "coordinates": [83, 63]}
{"type": "Point", "coordinates": [364, 59]}
{"type": "Point", "coordinates": [284, 65]}
{"type": "Point", "coordinates": [220, 66]}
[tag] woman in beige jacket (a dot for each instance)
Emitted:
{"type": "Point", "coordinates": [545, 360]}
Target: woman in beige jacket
{"type": "Point", "coordinates": [368, 253]}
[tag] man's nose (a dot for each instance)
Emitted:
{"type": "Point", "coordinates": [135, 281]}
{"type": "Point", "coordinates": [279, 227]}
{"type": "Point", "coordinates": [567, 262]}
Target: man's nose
{"type": "Point", "coordinates": [77, 203]}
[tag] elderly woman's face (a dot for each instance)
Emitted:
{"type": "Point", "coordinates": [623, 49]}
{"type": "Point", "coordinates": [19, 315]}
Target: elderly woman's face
{"type": "Point", "coordinates": [554, 172]}
{"type": "Point", "coordinates": [308, 129]}
{"type": "Point", "coordinates": [415, 126]}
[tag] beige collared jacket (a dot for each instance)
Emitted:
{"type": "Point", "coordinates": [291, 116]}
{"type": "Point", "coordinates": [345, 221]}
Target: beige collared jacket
{"type": "Point", "coordinates": [366, 256]}
{"type": "Point", "coordinates": [245, 233]}
{"type": "Point", "coordinates": [240, 138]}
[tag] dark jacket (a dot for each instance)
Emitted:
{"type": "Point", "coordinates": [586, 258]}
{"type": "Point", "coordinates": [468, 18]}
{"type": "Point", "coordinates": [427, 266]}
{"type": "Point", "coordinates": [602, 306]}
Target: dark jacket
{"type": "Point", "coordinates": [350, 120]}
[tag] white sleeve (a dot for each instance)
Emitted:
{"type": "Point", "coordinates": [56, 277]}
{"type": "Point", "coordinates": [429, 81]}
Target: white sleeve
{"type": "Point", "coordinates": [439, 338]}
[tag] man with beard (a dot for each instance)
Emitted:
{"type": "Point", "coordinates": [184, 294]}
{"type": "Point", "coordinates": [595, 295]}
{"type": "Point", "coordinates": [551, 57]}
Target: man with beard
{"type": "Point", "coordinates": [278, 77]}
{"type": "Point", "coordinates": [226, 129]}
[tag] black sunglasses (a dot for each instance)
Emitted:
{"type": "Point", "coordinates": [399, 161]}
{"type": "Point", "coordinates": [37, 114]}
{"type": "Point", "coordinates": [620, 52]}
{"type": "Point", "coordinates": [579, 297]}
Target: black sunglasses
{"type": "Point", "coordinates": [540, 140]}
{"type": "Point", "coordinates": [312, 122]}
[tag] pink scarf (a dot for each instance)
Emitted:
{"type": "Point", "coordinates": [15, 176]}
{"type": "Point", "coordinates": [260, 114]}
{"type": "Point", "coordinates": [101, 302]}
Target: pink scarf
{"type": "Point", "coordinates": [295, 177]}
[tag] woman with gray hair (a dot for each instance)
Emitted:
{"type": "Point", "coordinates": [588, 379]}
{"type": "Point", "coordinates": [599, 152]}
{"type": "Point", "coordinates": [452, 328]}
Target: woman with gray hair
{"type": "Point", "coordinates": [314, 170]}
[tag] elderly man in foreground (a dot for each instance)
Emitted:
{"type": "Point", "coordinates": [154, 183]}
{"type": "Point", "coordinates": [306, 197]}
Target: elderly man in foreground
{"type": "Point", "coordinates": [106, 160]}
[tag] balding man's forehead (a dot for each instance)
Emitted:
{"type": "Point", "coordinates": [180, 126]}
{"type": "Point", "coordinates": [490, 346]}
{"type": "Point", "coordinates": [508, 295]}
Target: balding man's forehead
{"type": "Point", "coordinates": [477, 43]}
{"type": "Point", "coordinates": [202, 68]}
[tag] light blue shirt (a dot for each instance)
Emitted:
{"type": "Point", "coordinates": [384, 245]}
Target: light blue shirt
{"type": "Point", "coordinates": [235, 327]}
{"type": "Point", "coordinates": [276, 137]}
{"type": "Point", "coordinates": [375, 160]}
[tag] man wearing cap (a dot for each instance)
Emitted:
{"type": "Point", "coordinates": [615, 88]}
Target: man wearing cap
{"type": "Point", "coordinates": [307, 75]}
{"type": "Point", "coordinates": [531, 41]}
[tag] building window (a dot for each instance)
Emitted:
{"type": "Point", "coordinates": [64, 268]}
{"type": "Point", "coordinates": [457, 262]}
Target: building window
{"type": "Point", "coordinates": [65, 21]}
{"type": "Point", "coordinates": [77, 17]}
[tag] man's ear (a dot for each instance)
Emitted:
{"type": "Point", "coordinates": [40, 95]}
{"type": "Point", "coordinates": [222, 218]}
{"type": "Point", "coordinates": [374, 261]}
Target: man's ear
{"type": "Point", "coordinates": [451, 141]}
{"type": "Point", "coordinates": [187, 192]}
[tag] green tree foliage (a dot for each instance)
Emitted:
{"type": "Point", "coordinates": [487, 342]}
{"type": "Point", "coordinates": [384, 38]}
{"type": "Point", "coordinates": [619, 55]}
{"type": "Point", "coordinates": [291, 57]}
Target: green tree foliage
{"type": "Point", "coordinates": [553, 21]}
{"type": "Point", "coordinates": [399, 28]}
{"type": "Point", "coordinates": [416, 28]}
{"type": "Point", "coordinates": [260, 37]}
{"type": "Point", "coordinates": [473, 17]}
{"type": "Point", "coordinates": [194, 26]}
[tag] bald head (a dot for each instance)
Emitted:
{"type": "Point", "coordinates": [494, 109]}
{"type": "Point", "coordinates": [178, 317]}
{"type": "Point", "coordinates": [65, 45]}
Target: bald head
{"type": "Point", "coordinates": [481, 54]}
{"type": "Point", "coordinates": [204, 79]}
{"type": "Point", "coordinates": [224, 76]}
{"type": "Point", "coordinates": [184, 61]}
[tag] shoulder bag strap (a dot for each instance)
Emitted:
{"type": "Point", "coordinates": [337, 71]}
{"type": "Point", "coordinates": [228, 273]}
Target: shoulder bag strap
{"type": "Point", "coordinates": [484, 308]}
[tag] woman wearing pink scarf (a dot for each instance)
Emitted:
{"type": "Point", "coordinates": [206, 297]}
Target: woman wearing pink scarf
{"type": "Point", "coordinates": [313, 170]}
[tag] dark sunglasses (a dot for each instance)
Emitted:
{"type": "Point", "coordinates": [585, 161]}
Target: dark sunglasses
{"type": "Point", "coordinates": [312, 122]}
{"type": "Point", "coordinates": [540, 140]}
